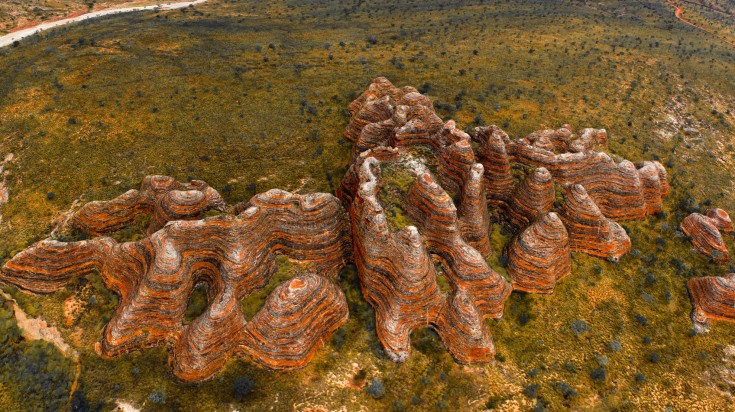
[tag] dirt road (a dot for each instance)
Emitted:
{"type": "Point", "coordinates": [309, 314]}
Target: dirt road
{"type": "Point", "coordinates": [11, 38]}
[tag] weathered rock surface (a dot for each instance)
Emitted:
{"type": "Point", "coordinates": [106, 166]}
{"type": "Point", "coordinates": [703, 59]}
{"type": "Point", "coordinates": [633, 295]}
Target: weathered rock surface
{"type": "Point", "coordinates": [397, 274]}
{"type": "Point", "coordinates": [721, 220]}
{"type": "Point", "coordinates": [589, 230]}
{"type": "Point", "coordinates": [498, 179]}
{"type": "Point", "coordinates": [705, 236]}
{"type": "Point", "coordinates": [712, 297]}
{"type": "Point", "coordinates": [161, 197]}
{"type": "Point", "coordinates": [540, 255]}
{"type": "Point", "coordinates": [234, 255]}
{"type": "Point", "coordinates": [533, 199]}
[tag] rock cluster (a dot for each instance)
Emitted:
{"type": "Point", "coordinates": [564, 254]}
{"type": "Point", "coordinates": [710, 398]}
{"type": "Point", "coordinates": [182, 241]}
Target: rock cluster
{"type": "Point", "coordinates": [234, 255]}
{"type": "Point", "coordinates": [397, 272]}
{"type": "Point", "coordinates": [444, 196]}
{"type": "Point", "coordinates": [450, 222]}
{"type": "Point", "coordinates": [705, 234]}
{"type": "Point", "coordinates": [712, 297]}
{"type": "Point", "coordinates": [622, 190]}
{"type": "Point", "coordinates": [589, 230]}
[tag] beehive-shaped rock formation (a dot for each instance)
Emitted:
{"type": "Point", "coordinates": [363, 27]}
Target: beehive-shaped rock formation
{"type": "Point", "coordinates": [721, 220]}
{"type": "Point", "coordinates": [446, 200]}
{"type": "Point", "coordinates": [491, 152]}
{"type": "Point", "coordinates": [540, 255]}
{"type": "Point", "coordinates": [589, 230]}
{"type": "Point", "coordinates": [713, 297]}
{"type": "Point", "coordinates": [613, 189]}
{"type": "Point", "coordinates": [234, 256]}
{"type": "Point", "coordinates": [705, 236]}
{"type": "Point", "coordinates": [533, 199]}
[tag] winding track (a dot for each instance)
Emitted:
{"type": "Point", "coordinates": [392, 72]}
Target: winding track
{"type": "Point", "coordinates": [678, 10]}
{"type": "Point", "coordinates": [10, 38]}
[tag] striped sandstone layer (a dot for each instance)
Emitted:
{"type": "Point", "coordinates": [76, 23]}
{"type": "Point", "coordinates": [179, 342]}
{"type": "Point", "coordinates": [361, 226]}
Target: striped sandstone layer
{"type": "Point", "coordinates": [533, 198]}
{"type": "Point", "coordinates": [721, 220]}
{"type": "Point", "coordinates": [589, 230]}
{"type": "Point", "coordinates": [161, 197]}
{"type": "Point", "coordinates": [609, 189]}
{"type": "Point", "coordinates": [713, 297]}
{"type": "Point", "coordinates": [705, 236]}
{"type": "Point", "coordinates": [234, 256]}
{"type": "Point", "coordinates": [540, 255]}
{"type": "Point", "coordinates": [234, 253]}
{"type": "Point", "coordinates": [397, 273]}
{"type": "Point", "coordinates": [623, 190]}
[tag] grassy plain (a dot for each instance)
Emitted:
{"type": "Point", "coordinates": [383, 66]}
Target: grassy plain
{"type": "Point", "coordinates": [250, 96]}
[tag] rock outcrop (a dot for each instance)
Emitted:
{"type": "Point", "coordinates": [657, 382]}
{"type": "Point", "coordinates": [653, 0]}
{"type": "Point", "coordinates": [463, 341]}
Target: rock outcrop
{"type": "Point", "coordinates": [161, 197]}
{"type": "Point", "coordinates": [388, 122]}
{"type": "Point", "coordinates": [539, 256]}
{"type": "Point", "coordinates": [397, 273]}
{"type": "Point", "coordinates": [589, 230]}
{"type": "Point", "coordinates": [712, 297]}
{"type": "Point", "coordinates": [491, 152]}
{"type": "Point", "coordinates": [234, 256]}
{"type": "Point", "coordinates": [705, 236]}
{"type": "Point", "coordinates": [721, 220]}
{"type": "Point", "coordinates": [533, 199]}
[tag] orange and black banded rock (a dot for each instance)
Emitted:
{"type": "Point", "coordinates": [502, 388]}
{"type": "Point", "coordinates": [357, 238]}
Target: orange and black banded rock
{"type": "Point", "coordinates": [705, 236]}
{"type": "Point", "coordinates": [417, 126]}
{"type": "Point", "coordinates": [375, 135]}
{"type": "Point", "coordinates": [309, 307]}
{"type": "Point", "coordinates": [533, 199]}
{"type": "Point", "coordinates": [372, 111]}
{"type": "Point", "coordinates": [379, 87]}
{"type": "Point", "coordinates": [557, 141]}
{"type": "Point", "coordinates": [397, 272]}
{"type": "Point", "coordinates": [616, 187]}
{"type": "Point", "coordinates": [161, 197]}
{"type": "Point", "coordinates": [378, 104]}
{"type": "Point", "coordinates": [462, 329]}
{"type": "Point", "coordinates": [347, 190]}
{"type": "Point", "coordinates": [433, 211]}
{"type": "Point", "coordinates": [663, 177]}
{"type": "Point", "coordinates": [721, 220]}
{"type": "Point", "coordinates": [539, 256]}
{"type": "Point", "coordinates": [651, 187]}
{"type": "Point", "coordinates": [713, 297]}
{"type": "Point", "coordinates": [589, 230]}
{"type": "Point", "coordinates": [472, 211]}
{"type": "Point", "coordinates": [234, 256]}
{"type": "Point", "coordinates": [455, 159]}
{"type": "Point", "coordinates": [588, 140]}
{"type": "Point", "coordinates": [397, 276]}
{"type": "Point", "coordinates": [491, 152]}
{"type": "Point", "coordinates": [622, 190]}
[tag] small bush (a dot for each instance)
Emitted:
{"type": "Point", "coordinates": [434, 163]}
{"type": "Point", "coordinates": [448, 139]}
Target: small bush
{"type": "Point", "coordinates": [376, 389]}
{"type": "Point", "coordinates": [242, 387]}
